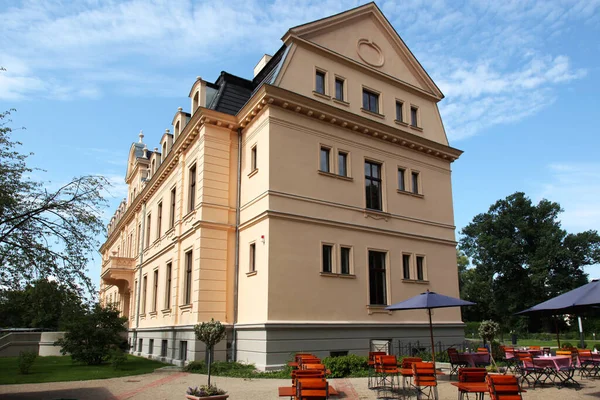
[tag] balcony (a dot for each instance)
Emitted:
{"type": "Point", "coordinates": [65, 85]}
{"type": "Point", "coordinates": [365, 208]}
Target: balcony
{"type": "Point", "coordinates": [119, 271]}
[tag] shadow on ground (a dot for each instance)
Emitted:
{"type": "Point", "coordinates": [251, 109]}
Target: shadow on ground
{"type": "Point", "coordinates": [92, 393]}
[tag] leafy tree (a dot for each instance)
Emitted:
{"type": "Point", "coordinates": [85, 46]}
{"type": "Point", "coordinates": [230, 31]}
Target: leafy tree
{"type": "Point", "coordinates": [45, 232]}
{"type": "Point", "coordinates": [210, 333]}
{"type": "Point", "coordinates": [41, 304]}
{"type": "Point", "coordinates": [522, 257]}
{"type": "Point", "coordinates": [91, 336]}
{"type": "Point", "coordinates": [462, 261]}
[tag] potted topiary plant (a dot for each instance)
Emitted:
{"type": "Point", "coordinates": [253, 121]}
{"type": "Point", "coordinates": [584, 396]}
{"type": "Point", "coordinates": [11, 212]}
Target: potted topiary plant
{"type": "Point", "coordinates": [210, 333]}
{"type": "Point", "coordinates": [206, 392]}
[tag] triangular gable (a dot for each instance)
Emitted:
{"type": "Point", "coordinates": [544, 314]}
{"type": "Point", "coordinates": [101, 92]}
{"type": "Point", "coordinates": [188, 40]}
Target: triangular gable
{"type": "Point", "coordinates": [363, 34]}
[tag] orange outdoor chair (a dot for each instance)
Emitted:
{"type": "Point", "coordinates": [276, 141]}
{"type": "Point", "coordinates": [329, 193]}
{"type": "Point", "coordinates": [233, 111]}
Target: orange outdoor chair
{"type": "Point", "coordinates": [306, 373]}
{"type": "Point", "coordinates": [535, 348]}
{"type": "Point", "coordinates": [470, 375]}
{"type": "Point", "coordinates": [313, 389]}
{"type": "Point", "coordinates": [371, 367]}
{"type": "Point", "coordinates": [388, 373]}
{"type": "Point", "coordinates": [425, 380]}
{"type": "Point", "coordinates": [455, 361]}
{"type": "Point", "coordinates": [318, 367]}
{"type": "Point", "coordinates": [503, 387]}
{"type": "Point", "coordinates": [482, 350]}
{"type": "Point", "coordinates": [306, 361]}
{"type": "Point", "coordinates": [406, 369]}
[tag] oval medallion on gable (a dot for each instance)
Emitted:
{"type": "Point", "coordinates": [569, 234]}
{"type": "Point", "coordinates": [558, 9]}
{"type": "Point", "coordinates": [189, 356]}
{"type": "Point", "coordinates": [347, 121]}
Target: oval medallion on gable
{"type": "Point", "coordinates": [370, 53]}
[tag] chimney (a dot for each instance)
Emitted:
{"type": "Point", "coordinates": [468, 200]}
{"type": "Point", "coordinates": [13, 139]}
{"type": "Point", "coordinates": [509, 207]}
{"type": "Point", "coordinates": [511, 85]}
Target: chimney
{"type": "Point", "coordinates": [261, 64]}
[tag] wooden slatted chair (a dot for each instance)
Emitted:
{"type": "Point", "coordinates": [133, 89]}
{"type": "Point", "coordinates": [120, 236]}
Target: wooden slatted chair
{"type": "Point", "coordinates": [313, 389]}
{"type": "Point", "coordinates": [371, 382]}
{"type": "Point", "coordinates": [388, 373]}
{"type": "Point", "coordinates": [482, 350]}
{"type": "Point", "coordinates": [510, 359]}
{"type": "Point", "coordinates": [531, 373]}
{"type": "Point", "coordinates": [406, 369]}
{"type": "Point", "coordinates": [455, 362]}
{"type": "Point", "coordinates": [425, 380]}
{"type": "Point", "coordinates": [503, 387]}
{"type": "Point", "coordinates": [470, 375]}
{"type": "Point", "coordinates": [306, 373]}
{"type": "Point", "coordinates": [588, 366]}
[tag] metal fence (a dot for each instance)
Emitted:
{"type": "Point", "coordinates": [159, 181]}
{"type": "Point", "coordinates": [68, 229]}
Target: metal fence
{"type": "Point", "coordinates": [411, 349]}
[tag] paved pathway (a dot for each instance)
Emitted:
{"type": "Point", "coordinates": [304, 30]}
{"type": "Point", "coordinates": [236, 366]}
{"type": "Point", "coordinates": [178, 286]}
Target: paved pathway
{"type": "Point", "coordinates": [172, 386]}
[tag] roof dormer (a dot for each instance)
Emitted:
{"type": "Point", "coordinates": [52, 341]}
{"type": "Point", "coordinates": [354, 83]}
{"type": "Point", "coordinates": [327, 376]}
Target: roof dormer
{"type": "Point", "coordinates": [180, 120]}
{"type": "Point", "coordinates": [202, 93]}
{"type": "Point", "coordinates": [166, 143]}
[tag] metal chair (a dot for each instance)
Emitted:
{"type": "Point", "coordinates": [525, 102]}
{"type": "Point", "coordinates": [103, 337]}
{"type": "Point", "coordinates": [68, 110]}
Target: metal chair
{"type": "Point", "coordinates": [455, 361]}
{"type": "Point", "coordinates": [503, 387]}
{"type": "Point", "coordinates": [425, 380]}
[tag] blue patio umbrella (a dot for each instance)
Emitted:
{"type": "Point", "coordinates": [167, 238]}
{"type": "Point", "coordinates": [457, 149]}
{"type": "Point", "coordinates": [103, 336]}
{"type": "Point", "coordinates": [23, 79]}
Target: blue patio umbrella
{"type": "Point", "coordinates": [428, 301]}
{"type": "Point", "coordinates": [576, 301]}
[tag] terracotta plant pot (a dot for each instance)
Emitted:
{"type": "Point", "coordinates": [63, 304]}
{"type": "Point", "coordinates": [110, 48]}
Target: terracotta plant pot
{"type": "Point", "coordinates": [216, 397]}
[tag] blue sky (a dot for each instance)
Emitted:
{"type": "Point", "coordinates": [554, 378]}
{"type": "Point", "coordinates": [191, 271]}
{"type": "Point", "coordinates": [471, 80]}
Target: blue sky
{"type": "Point", "coordinates": [521, 80]}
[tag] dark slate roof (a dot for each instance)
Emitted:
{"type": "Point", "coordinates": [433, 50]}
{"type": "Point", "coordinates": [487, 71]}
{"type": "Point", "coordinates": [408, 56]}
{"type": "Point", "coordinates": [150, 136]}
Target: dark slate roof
{"type": "Point", "coordinates": [234, 91]}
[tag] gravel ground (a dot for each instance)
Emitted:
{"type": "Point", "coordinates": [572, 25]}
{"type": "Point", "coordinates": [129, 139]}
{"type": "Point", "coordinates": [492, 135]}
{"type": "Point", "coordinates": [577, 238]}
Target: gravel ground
{"type": "Point", "coordinates": [172, 386]}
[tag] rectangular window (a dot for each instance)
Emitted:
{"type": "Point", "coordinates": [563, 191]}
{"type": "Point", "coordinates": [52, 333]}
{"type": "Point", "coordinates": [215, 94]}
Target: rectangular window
{"type": "Point", "coordinates": [345, 260]}
{"type": "Point", "coordinates": [339, 89]}
{"type": "Point", "coordinates": [327, 258]}
{"type": "Point", "coordinates": [370, 101]}
{"type": "Point", "coordinates": [183, 350]}
{"type": "Point", "coordinates": [343, 163]}
{"type": "Point", "coordinates": [406, 266]}
{"type": "Point", "coordinates": [420, 268]}
{"type": "Point", "coordinates": [140, 345]}
{"type": "Point", "coordinates": [413, 116]}
{"type": "Point", "coordinates": [399, 111]}
{"type": "Point", "coordinates": [377, 284]}
{"type": "Point", "coordinates": [415, 182]}
{"type": "Point", "coordinates": [187, 294]}
{"type": "Point", "coordinates": [135, 294]}
{"type": "Point", "coordinates": [373, 185]}
{"type": "Point", "coordinates": [150, 346]}
{"type": "Point", "coordinates": [401, 179]}
{"type": "Point", "coordinates": [192, 194]}
{"type": "Point", "coordinates": [139, 236]}
{"type": "Point", "coordinates": [155, 291]}
{"type": "Point", "coordinates": [252, 263]}
{"type": "Point", "coordinates": [163, 348]}
{"type": "Point", "coordinates": [253, 158]}
{"type": "Point", "coordinates": [168, 287]}
{"type": "Point", "coordinates": [172, 212]}
{"type": "Point", "coordinates": [148, 229]}
{"type": "Point", "coordinates": [324, 160]}
{"type": "Point", "coordinates": [320, 82]}
{"type": "Point", "coordinates": [144, 293]}
{"type": "Point", "coordinates": [159, 221]}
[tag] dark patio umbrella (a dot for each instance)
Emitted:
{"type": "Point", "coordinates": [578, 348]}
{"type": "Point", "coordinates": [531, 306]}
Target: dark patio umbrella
{"type": "Point", "coordinates": [429, 300]}
{"type": "Point", "coordinates": [576, 301]}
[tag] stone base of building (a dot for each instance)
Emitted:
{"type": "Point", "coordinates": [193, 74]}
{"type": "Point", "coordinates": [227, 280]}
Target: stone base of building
{"type": "Point", "coordinates": [270, 346]}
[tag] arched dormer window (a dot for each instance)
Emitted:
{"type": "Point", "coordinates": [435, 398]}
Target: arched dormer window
{"type": "Point", "coordinates": [195, 102]}
{"type": "Point", "coordinates": [164, 152]}
{"type": "Point", "coordinates": [176, 133]}
{"type": "Point", "coordinates": [153, 166]}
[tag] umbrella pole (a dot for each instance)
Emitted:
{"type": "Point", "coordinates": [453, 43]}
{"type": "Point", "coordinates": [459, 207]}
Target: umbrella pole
{"type": "Point", "coordinates": [557, 336]}
{"type": "Point", "coordinates": [431, 337]}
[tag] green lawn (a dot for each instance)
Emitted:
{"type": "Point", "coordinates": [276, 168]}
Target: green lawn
{"type": "Point", "coordinates": [56, 369]}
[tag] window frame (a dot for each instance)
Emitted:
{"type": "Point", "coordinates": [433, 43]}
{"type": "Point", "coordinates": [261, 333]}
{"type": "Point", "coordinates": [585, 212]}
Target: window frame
{"type": "Point", "coordinates": [385, 286]}
{"type": "Point", "coordinates": [252, 257]}
{"type": "Point", "coordinates": [380, 180]}
{"type": "Point", "coordinates": [143, 299]}
{"type": "Point", "coordinates": [350, 260]}
{"type": "Point", "coordinates": [159, 211]}
{"type": "Point", "coordinates": [423, 267]}
{"type": "Point", "coordinates": [192, 172]}
{"type": "Point", "coordinates": [168, 283]}
{"type": "Point", "coordinates": [148, 229]}
{"type": "Point", "coordinates": [331, 257]}
{"type": "Point", "coordinates": [320, 71]}
{"type": "Point", "coordinates": [254, 157]}
{"type": "Point", "coordinates": [346, 163]}
{"type": "Point", "coordinates": [150, 346]}
{"type": "Point", "coordinates": [401, 104]}
{"type": "Point", "coordinates": [377, 95]}
{"type": "Point", "coordinates": [187, 281]}
{"type": "Point", "coordinates": [342, 80]}
{"type": "Point", "coordinates": [155, 291]}
{"type": "Point", "coordinates": [417, 120]}
{"type": "Point", "coordinates": [402, 182]}
{"type": "Point", "coordinates": [173, 207]}
{"type": "Point", "coordinates": [328, 149]}
{"type": "Point", "coordinates": [407, 268]}
{"type": "Point", "coordinates": [418, 189]}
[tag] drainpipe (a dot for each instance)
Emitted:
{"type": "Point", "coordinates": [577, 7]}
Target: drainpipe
{"type": "Point", "coordinates": [139, 289]}
{"type": "Point", "coordinates": [237, 244]}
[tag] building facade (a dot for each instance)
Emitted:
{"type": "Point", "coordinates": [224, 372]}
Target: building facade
{"type": "Point", "coordinates": [293, 206]}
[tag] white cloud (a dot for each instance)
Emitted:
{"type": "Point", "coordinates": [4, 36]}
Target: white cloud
{"type": "Point", "coordinates": [482, 54]}
{"type": "Point", "coordinates": [576, 187]}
